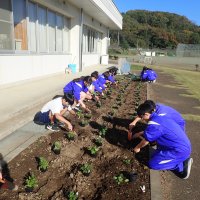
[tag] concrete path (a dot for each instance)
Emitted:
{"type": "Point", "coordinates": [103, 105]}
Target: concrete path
{"type": "Point", "coordinates": [19, 103]}
{"type": "Point", "coordinates": [170, 92]}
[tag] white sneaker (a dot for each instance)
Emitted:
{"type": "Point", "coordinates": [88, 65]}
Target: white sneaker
{"type": "Point", "coordinates": [187, 168]}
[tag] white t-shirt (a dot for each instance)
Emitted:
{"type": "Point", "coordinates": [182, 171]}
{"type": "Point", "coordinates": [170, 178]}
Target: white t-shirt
{"type": "Point", "coordinates": [55, 106]}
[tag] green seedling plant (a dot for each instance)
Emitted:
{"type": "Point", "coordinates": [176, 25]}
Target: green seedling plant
{"type": "Point", "coordinates": [127, 161]}
{"type": "Point", "coordinates": [93, 150]}
{"type": "Point", "coordinates": [31, 182]}
{"type": "Point", "coordinates": [84, 122]}
{"type": "Point", "coordinates": [79, 114]}
{"type": "Point", "coordinates": [103, 130]}
{"type": "Point", "coordinates": [71, 135]}
{"type": "Point", "coordinates": [88, 115]}
{"type": "Point", "coordinates": [98, 141]}
{"type": "Point", "coordinates": [86, 168]}
{"type": "Point", "coordinates": [72, 195]}
{"type": "Point", "coordinates": [120, 179]}
{"type": "Point", "coordinates": [56, 147]}
{"type": "Point", "coordinates": [98, 104]}
{"type": "Point", "coordinates": [43, 164]}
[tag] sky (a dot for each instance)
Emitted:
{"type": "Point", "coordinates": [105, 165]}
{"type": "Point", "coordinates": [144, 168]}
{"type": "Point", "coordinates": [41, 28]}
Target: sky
{"type": "Point", "coordinates": [187, 8]}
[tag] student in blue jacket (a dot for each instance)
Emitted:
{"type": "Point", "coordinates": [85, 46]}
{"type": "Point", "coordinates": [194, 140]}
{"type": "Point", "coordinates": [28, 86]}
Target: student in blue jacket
{"type": "Point", "coordinates": [79, 89]}
{"type": "Point", "coordinates": [151, 75]}
{"type": "Point", "coordinates": [98, 87]}
{"type": "Point", "coordinates": [162, 110]}
{"type": "Point", "coordinates": [173, 146]}
{"type": "Point", "coordinates": [100, 80]}
{"type": "Point", "coordinates": [143, 74]}
{"type": "Point", "coordinates": [111, 76]}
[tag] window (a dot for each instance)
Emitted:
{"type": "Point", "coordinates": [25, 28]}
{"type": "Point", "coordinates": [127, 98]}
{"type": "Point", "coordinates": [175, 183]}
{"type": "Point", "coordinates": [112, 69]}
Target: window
{"type": "Point", "coordinates": [20, 24]}
{"type": "Point", "coordinates": [42, 29]}
{"type": "Point", "coordinates": [59, 25]}
{"type": "Point", "coordinates": [66, 35]}
{"type": "Point", "coordinates": [32, 26]}
{"type": "Point", "coordinates": [6, 41]}
{"type": "Point", "coordinates": [91, 40]}
{"type": "Point", "coordinates": [52, 31]}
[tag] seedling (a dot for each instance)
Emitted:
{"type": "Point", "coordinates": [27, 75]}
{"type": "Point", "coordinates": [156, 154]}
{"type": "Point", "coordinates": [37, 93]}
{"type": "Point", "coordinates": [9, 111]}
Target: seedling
{"type": "Point", "coordinates": [43, 164]}
{"type": "Point", "coordinates": [72, 195]}
{"type": "Point", "coordinates": [79, 114]}
{"type": "Point", "coordinates": [86, 169]}
{"type": "Point", "coordinates": [98, 141]}
{"type": "Point", "coordinates": [56, 147]}
{"type": "Point", "coordinates": [31, 182]}
{"type": "Point", "coordinates": [127, 161]}
{"type": "Point", "coordinates": [84, 122]}
{"type": "Point", "coordinates": [98, 104]}
{"type": "Point", "coordinates": [71, 135]}
{"type": "Point", "coordinates": [88, 115]}
{"type": "Point", "coordinates": [115, 106]}
{"type": "Point", "coordinates": [93, 150]}
{"type": "Point", "coordinates": [103, 130]}
{"type": "Point", "coordinates": [120, 179]}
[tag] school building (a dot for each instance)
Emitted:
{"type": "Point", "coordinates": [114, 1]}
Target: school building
{"type": "Point", "coordinates": [42, 37]}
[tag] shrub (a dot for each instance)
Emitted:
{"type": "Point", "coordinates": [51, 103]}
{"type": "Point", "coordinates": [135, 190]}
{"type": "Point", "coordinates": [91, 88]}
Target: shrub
{"type": "Point", "coordinates": [86, 168]}
{"type": "Point", "coordinates": [120, 179]}
{"type": "Point", "coordinates": [43, 164]}
{"type": "Point", "coordinates": [103, 130]}
{"type": "Point", "coordinates": [72, 195]}
{"type": "Point", "coordinates": [93, 150]}
{"type": "Point", "coordinates": [31, 181]}
{"type": "Point", "coordinates": [56, 147]}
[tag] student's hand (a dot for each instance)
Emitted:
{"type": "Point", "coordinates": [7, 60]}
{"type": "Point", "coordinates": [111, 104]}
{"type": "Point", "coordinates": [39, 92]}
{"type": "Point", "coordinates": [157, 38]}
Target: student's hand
{"type": "Point", "coordinates": [136, 150]}
{"type": "Point", "coordinates": [70, 127]}
{"type": "Point", "coordinates": [1, 177]}
{"type": "Point", "coordinates": [131, 125]}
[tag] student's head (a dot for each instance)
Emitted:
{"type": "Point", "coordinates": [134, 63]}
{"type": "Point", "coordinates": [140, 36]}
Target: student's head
{"type": "Point", "coordinates": [144, 111]}
{"type": "Point", "coordinates": [106, 74]}
{"type": "Point", "coordinates": [144, 68]}
{"type": "Point", "coordinates": [68, 98]}
{"type": "Point", "coordinates": [87, 81]}
{"type": "Point", "coordinates": [94, 76]}
{"type": "Point", "coordinates": [111, 71]}
{"type": "Point", "coordinates": [151, 103]}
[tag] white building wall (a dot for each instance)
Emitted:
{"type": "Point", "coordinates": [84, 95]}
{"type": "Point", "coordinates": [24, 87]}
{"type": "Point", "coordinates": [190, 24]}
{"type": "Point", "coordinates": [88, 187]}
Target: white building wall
{"type": "Point", "coordinates": [15, 68]}
{"type": "Point", "coordinates": [23, 66]}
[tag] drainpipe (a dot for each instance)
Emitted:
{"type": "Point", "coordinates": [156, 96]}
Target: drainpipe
{"type": "Point", "coordinates": [81, 41]}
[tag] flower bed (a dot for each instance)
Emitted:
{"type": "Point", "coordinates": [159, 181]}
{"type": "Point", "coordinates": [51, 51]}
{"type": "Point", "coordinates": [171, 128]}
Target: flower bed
{"type": "Point", "coordinates": [114, 157]}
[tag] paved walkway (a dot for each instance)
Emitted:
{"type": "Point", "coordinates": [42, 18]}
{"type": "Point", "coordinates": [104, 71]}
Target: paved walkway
{"type": "Point", "coordinates": [20, 102]}
{"type": "Point", "coordinates": [168, 91]}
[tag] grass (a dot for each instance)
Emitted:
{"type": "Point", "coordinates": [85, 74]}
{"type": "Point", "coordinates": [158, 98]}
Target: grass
{"type": "Point", "coordinates": [136, 67]}
{"type": "Point", "coordinates": [191, 117]}
{"type": "Point", "coordinates": [189, 79]}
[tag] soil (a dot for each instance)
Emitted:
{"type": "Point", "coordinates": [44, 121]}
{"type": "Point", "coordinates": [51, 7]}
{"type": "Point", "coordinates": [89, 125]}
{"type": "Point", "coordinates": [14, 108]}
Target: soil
{"type": "Point", "coordinates": [64, 175]}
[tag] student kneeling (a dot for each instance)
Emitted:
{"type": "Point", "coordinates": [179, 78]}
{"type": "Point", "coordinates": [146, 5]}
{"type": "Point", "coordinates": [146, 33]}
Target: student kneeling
{"type": "Point", "coordinates": [52, 110]}
{"type": "Point", "coordinates": [173, 146]}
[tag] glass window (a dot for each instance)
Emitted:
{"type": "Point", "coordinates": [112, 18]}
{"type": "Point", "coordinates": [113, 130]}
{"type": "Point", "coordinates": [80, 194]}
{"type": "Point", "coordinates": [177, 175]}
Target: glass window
{"type": "Point", "coordinates": [59, 36]}
{"type": "Point", "coordinates": [91, 40]}
{"type": "Point", "coordinates": [20, 24]}
{"type": "Point", "coordinates": [42, 29]}
{"type": "Point", "coordinates": [66, 35]}
{"type": "Point", "coordinates": [6, 40]}
{"type": "Point", "coordinates": [52, 31]}
{"type": "Point", "coordinates": [32, 26]}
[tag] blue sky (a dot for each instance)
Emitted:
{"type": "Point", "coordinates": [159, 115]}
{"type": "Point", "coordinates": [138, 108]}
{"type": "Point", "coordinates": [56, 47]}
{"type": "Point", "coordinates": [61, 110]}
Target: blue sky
{"type": "Point", "coordinates": [188, 8]}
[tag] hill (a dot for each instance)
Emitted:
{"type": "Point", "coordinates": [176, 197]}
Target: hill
{"type": "Point", "coordinates": [149, 29]}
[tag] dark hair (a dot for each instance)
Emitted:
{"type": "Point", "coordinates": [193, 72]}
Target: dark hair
{"type": "Point", "coordinates": [106, 74]}
{"type": "Point", "coordinates": [94, 74]}
{"type": "Point", "coordinates": [78, 79]}
{"type": "Point", "coordinates": [69, 98]}
{"type": "Point", "coordinates": [144, 108]}
{"type": "Point", "coordinates": [57, 96]}
{"type": "Point", "coordinates": [151, 103]}
{"type": "Point", "coordinates": [86, 79]}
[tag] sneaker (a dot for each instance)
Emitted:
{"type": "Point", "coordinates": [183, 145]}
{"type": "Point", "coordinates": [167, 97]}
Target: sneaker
{"type": "Point", "coordinates": [187, 168]}
{"type": "Point", "coordinates": [53, 127]}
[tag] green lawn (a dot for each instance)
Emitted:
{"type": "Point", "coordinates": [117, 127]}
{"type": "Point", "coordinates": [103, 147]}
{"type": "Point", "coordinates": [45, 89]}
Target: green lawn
{"type": "Point", "coordinates": [136, 67]}
{"type": "Point", "coordinates": [189, 79]}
